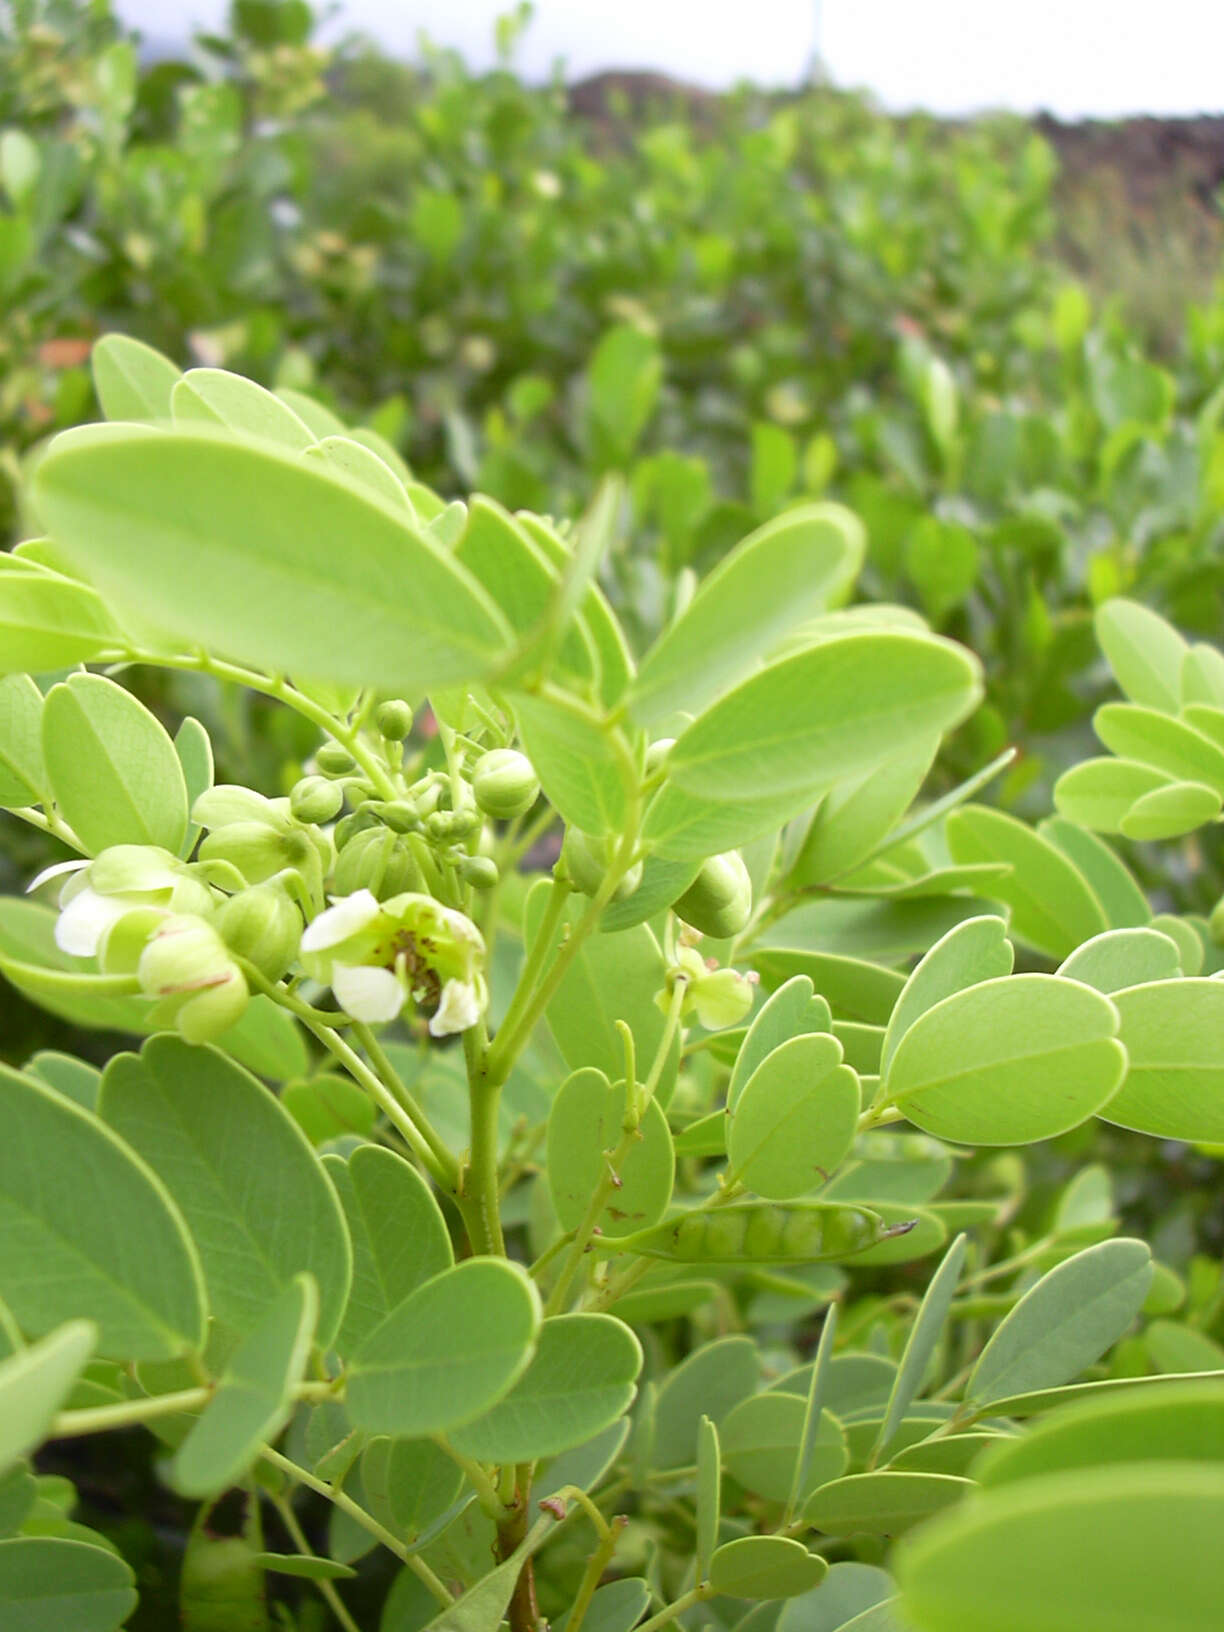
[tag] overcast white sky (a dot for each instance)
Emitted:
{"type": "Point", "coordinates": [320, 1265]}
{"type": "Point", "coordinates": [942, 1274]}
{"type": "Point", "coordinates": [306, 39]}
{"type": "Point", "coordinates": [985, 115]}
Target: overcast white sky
{"type": "Point", "coordinates": [1074, 57]}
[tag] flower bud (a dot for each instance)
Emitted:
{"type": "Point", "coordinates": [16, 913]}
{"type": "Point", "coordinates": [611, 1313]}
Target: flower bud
{"type": "Point", "coordinates": [257, 851]}
{"type": "Point", "coordinates": [263, 926]}
{"type": "Point", "coordinates": [478, 871]}
{"type": "Point", "coordinates": [379, 861]}
{"type": "Point", "coordinates": [333, 760]}
{"type": "Point", "coordinates": [719, 900]}
{"type": "Point", "coordinates": [586, 862]}
{"type": "Point", "coordinates": [188, 966]}
{"type": "Point", "coordinates": [505, 784]}
{"type": "Point", "coordinates": [393, 719]}
{"type": "Point", "coordinates": [315, 799]}
{"type": "Point", "coordinates": [399, 815]}
{"type": "Point", "coordinates": [657, 753]}
{"type": "Point", "coordinates": [360, 821]}
{"type": "Point", "coordinates": [230, 803]}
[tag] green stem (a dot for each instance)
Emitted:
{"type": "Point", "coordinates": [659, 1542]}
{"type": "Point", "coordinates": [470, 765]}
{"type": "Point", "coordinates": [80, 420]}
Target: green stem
{"type": "Point", "coordinates": [327, 1591]}
{"type": "Point", "coordinates": [596, 1565]}
{"type": "Point", "coordinates": [486, 1490]}
{"type": "Point", "coordinates": [635, 1109]}
{"type": "Point", "coordinates": [444, 1169]}
{"type": "Point", "coordinates": [538, 954]}
{"type": "Point", "coordinates": [359, 1516]}
{"type": "Point", "coordinates": [482, 1190]}
{"type": "Point", "coordinates": [274, 685]}
{"type": "Point", "coordinates": [697, 1595]}
{"type": "Point", "coordinates": [48, 822]}
{"type": "Point", "coordinates": [392, 1079]}
{"type": "Point", "coordinates": [100, 1419]}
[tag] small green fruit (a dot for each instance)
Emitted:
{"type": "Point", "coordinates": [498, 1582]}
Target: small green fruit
{"type": "Point", "coordinates": [719, 900]}
{"type": "Point", "coordinates": [505, 784]}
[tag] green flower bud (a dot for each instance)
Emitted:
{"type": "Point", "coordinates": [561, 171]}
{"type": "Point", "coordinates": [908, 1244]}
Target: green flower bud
{"type": "Point", "coordinates": [379, 861]}
{"type": "Point", "coordinates": [399, 815]}
{"type": "Point", "coordinates": [505, 784]}
{"type": "Point", "coordinates": [188, 966]}
{"type": "Point", "coordinates": [657, 753]}
{"type": "Point", "coordinates": [315, 799]}
{"type": "Point", "coordinates": [478, 871]}
{"type": "Point", "coordinates": [263, 926]}
{"type": "Point", "coordinates": [586, 862]}
{"type": "Point", "coordinates": [257, 851]}
{"type": "Point", "coordinates": [360, 821]}
{"type": "Point", "coordinates": [393, 719]}
{"type": "Point", "coordinates": [333, 760]}
{"type": "Point", "coordinates": [719, 900]}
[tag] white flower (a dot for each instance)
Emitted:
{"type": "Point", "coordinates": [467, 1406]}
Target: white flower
{"type": "Point", "coordinates": [348, 915]}
{"type": "Point", "coordinates": [83, 923]}
{"type": "Point", "coordinates": [458, 1008]}
{"type": "Point", "coordinates": [371, 995]}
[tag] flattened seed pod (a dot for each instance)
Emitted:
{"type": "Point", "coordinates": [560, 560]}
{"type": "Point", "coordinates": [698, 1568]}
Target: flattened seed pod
{"type": "Point", "coordinates": [759, 1232]}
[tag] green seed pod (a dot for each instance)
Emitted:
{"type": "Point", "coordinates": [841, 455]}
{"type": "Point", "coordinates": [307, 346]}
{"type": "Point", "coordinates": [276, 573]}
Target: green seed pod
{"type": "Point", "coordinates": [657, 753]}
{"type": "Point", "coordinates": [393, 719]}
{"type": "Point", "coordinates": [315, 799]}
{"type": "Point", "coordinates": [263, 926]}
{"type": "Point", "coordinates": [761, 1232]}
{"type": "Point", "coordinates": [505, 784]}
{"type": "Point", "coordinates": [586, 862]}
{"type": "Point", "coordinates": [379, 861]}
{"type": "Point", "coordinates": [478, 871]}
{"type": "Point", "coordinates": [333, 760]}
{"type": "Point", "coordinates": [719, 900]}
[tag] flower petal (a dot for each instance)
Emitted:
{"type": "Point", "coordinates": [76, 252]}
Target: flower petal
{"type": "Point", "coordinates": [347, 916]}
{"type": "Point", "coordinates": [56, 870]}
{"type": "Point", "coordinates": [458, 1009]}
{"type": "Point", "coordinates": [83, 922]}
{"type": "Point", "coordinates": [367, 994]}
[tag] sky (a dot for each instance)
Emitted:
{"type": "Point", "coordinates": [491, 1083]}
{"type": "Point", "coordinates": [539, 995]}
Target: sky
{"type": "Point", "coordinates": [1074, 58]}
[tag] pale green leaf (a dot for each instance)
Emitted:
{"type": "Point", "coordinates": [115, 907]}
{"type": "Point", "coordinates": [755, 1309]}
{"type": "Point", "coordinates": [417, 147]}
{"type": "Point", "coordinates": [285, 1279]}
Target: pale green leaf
{"type": "Point", "coordinates": [1098, 793]}
{"type": "Point", "coordinates": [259, 1205]}
{"type": "Point", "coordinates": [112, 767]}
{"type": "Point", "coordinates": [48, 1584]}
{"type": "Point", "coordinates": [234, 545]}
{"type": "Point", "coordinates": [213, 396]}
{"type": "Point", "coordinates": [795, 1120]}
{"type": "Point", "coordinates": [1123, 957]}
{"type": "Point", "coordinates": [577, 761]}
{"type": "Point", "coordinates": [133, 381]}
{"type": "Point", "coordinates": [776, 579]}
{"type": "Point", "coordinates": [35, 1382]}
{"type": "Point", "coordinates": [1167, 813]}
{"type": "Point", "coordinates": [974, 951]}
{"type": "Point", "coordinates": [882, 1504]}
{"type": "Point", "coordinates": [1008, 1061]}
{"type": "Point", "coordinates": [765, 1567]}
{"type": "Point", "coordinates": [1084, 1551]}
{"type": "Point", "coordinates": [255, 1396]}
{"type": "Point", "coordinates": [585, 1123]}
{"type": "Point", "coordinates": [1067, 1320]}
{"type": "Point", "coordinates": [87, 1230]}
{"type": "Point", "coordinates": [1052, 907]}
{"type": "Point", "coordinates": [47, 621]}
{"type": "Point", "coordinates": [23, 775]}
{"type": "Point", "coordinates": [581, 1378]}
{"type": "Point", "coordinates": [791, 1011]}
{"type": "Point", "coordinates": [1173, 1032]}
{"type": "Point", "coordinates": [449, 1351]}
{"type": "Point", "coordinates": [1161, 741]}
{"type": "Point", "coordinates": [920, 1345]}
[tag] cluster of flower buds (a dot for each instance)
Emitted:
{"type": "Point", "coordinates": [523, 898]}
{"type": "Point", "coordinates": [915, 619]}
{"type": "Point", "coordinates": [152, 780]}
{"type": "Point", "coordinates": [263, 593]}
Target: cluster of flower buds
{"type": "Point", "coordinates": [141, 911]}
